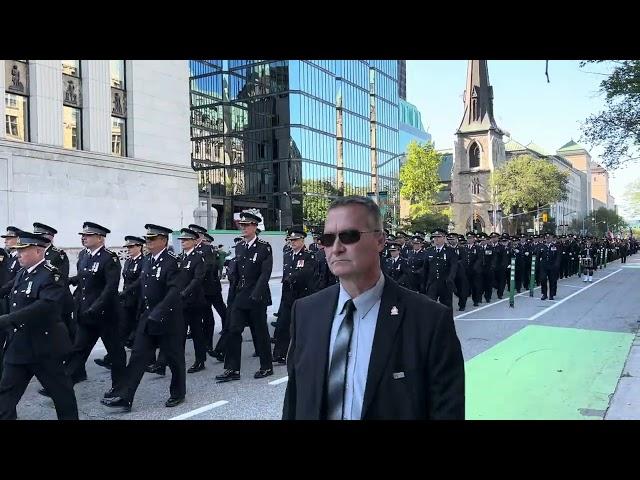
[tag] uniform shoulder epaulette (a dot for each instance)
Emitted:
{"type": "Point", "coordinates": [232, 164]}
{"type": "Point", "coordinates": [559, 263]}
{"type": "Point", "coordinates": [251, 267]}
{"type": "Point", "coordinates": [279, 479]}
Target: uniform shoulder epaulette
{"type": "Point", "coordinates": [172, 254]}
{"type": "Point", "coordinates": [50, 267]}
{"type": "Point", "coordinates": [55, 249]}
{"type": "Point", "coordinates": [111, 252]}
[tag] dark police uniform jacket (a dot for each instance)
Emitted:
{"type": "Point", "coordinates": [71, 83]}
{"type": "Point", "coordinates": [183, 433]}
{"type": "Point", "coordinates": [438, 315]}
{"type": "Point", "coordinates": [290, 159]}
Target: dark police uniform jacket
{"type": "Point", "coordinates": [253, 265]}
{"type": "Point", "coordinates": [58, 259]}
{"type": "Point", "coordinates": [440, 266]}
{"type": "Point", "coordinates": [493, 256]}
{"type": "Point", "coordinates": [131, 275]}
{"type": "Point", "coordinates": [98, 279]}
{"type": "Point", "coordinates": [193, 270]}
{"type": "Point", "coordinates": [35, 314]}
{"type": "Point", "coordinates": [323, 276]}
{"type": "Point", "coordinates": [415, 270]}
{"type": "Point", "coordinates": [550, 256]}
{"type": "Point", "coordinates": [297, 275]}
{"type": "Point", "coordinates": [211, 283]}
{"type": "Point", "coordinates": [395, 268]}
{"type": "Point", "coordinates": [160, 287]}
{"type": "Point", "coordinates": [472, 260]}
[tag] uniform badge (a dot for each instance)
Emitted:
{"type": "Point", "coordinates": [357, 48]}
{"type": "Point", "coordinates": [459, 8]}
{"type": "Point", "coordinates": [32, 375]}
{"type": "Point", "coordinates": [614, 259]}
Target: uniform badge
{"type": "Point", "coordinates": [115, 259]}
{"type": "Point", "coordinates": [188, 264]}
{"type": "Point", "coordinates": [255, 256]}
{"type": "Point", "coordinates": [158, 273]}
{"type": "Point", "coordinates": [56, 276]}
{"type": "Point", "coordinates": [394, 310]}
{"type": "Point", "coordinates": [300, 264]}
{"type": "Point", "coordinates": [95, 266]}
{"type": "Point", "coordinates": [28, 290]}
{"type": "Point", "coordinates": [445, 257]}
{"type": "Point", "coordinates": [135, 267]}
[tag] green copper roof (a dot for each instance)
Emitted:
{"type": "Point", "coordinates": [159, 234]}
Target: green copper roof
{"type": "Point", "coordinates": [571, 146]}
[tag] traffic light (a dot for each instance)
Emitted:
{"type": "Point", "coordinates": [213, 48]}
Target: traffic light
{"type": "Point", "coordinates": [545, 217]}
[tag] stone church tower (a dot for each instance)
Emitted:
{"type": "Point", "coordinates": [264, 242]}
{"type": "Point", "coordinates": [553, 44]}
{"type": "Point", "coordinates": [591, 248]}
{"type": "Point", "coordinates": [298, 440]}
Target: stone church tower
{"type": "Point", "coordinates": [478, 150]}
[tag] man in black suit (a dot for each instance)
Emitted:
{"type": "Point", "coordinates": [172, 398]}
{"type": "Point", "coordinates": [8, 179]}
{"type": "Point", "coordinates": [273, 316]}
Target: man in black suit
{"type": "Point", "coordinates": [550, 257]}
{"type": "Point", "coordinates": [39, 338]}
{"type": "Point", "coordinates": [368, 348]}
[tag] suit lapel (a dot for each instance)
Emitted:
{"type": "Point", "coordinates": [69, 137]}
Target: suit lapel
{"type": "Point", "coordinates": [383, 339]}
{"type": "Point", "coordinates": [326, 309]}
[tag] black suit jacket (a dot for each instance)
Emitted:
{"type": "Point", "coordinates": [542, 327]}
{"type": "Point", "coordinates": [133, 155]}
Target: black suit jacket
{"type": "Point", "coordinates": [416, 370]}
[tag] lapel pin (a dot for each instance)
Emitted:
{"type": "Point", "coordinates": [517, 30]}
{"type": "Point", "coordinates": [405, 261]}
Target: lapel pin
{"type": "Point", "coordinates": [394, 310]}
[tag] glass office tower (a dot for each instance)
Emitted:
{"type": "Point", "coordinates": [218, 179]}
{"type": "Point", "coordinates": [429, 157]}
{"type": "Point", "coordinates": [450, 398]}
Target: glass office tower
{"type": "Point", "coordinates": [288, 136]}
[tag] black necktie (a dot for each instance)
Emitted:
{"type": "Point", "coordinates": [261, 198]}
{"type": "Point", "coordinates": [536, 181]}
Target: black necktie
{"type": "Point", "coordinates": [338, 367]}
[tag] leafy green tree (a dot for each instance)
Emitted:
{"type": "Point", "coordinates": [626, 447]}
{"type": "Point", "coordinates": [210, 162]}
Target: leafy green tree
{"type": "Point", "coordinates": [419, 178]}
{"type": "Point", "coordinates": [617, 127]}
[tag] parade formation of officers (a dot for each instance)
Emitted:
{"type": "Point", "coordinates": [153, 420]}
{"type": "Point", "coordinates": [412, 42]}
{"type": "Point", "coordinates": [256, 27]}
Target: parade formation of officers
{"type": "Point", "coordinates": [48, 331]}
{"type": "Point", "coordinates": [476, 264]}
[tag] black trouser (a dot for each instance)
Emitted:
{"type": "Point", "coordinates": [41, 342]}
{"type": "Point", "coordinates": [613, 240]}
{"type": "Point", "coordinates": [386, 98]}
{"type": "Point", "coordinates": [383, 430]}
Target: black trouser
{"type": "Point", "coordinates": [283, 329]}
{"type": "Point", "coordinates": [488, 279]}
{"type": "Point", "coordinates": [549, 274]}
{"type": "Point", "coordinates": [216, 300]}
{"type": "Point", "coordinates": [239, 317]}
{"type": "Point", "coordinates": [85, 341]}
{"type": "Point", "coordinates": [129, 323]}
{"type": "Point", "coordinates": [475, 281]}
{"type": "Point", "coordinates": [500, 280]}
{"type": "Point", "coordinates": [193, 320]}
{"type": "Point", "coordinates": [624, 258]}
{"type": "Point", "coordinates": [521, 276]}
{"type": "Point", "coordinates": [462, 287]}
{"type": "Point", "coordinates": [144, 348]}
{"type": "Point", "coordinates": [50, 373]}
{"type": "Point", "coordinates": [439, 292]}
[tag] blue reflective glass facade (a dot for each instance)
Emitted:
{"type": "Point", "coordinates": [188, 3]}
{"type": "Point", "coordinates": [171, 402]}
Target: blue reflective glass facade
{"type": "Point", "coordinates": [286, 136]}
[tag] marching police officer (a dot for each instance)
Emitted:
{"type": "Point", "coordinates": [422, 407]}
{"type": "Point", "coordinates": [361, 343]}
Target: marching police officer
{"type": "Point", "coordinates": [192, 267]}
{"type": "Point", "coordinates": [59, 259]}
{"type": "Point", "coordinates": [212, 287]}
{"type": "Point", "coordinates": [405, 244]}
{"type": "Point", "coordinates": [473, 267]}
{"type": "Point", "coordinates": [550, 258]}
{"type": "Point", "coordinates": [440, 267]}
{"type": "Point", "coordinates": [523, 263]}
{"type": "Point", "coordinates": [414, 273]}
{"type": "Point", "coordinates": [10, 263]}
{"type": "Point", "coordinates": [492, 259]}
{"type": "Point", "coordinates": [39, 338]}
{"type": "Point", "coordinates": [395, 266]}
{"type": "Point", "coordinates": [323, 277]}
{"type": "Point", "coordinates": [251, 296]}
{"type": "Point", "coordinates": [460, 279]}
{"type": "Point", "coordinates": [504, 267]}
{"type": "Point", "coordinates": [161, 322]}
{"type": "Point", "coordinates": [129, 297]}
{"type": "Point", "coordinates": [98, 278]}
{"type": "Point", "coordinates": [297, 282]}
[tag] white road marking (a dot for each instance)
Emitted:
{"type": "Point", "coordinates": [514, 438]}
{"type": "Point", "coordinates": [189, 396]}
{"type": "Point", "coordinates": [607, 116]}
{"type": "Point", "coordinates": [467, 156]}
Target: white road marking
{"type": "Point", "coordinates": [200, 410]}
{"type": "Point", "coordinates": [280, 380]}
{"type": "Point", "coordinates": [571, 286]}
{"type": "Point", "coordinates": [490, 319]}
{"type": "Point", "coordinates": [526, 292]}
{"type": "Point", "coordinates": [539, 314]}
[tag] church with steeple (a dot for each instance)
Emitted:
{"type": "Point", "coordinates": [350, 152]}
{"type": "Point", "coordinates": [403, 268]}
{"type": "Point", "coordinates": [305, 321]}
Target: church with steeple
{"type": "Point", "coordinates": [478, 151]}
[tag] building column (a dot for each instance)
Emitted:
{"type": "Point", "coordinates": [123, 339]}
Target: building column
{"type": "Point", "coordinates": [45, 86]}
{"type": "Point", "coordinates": [96, 103]}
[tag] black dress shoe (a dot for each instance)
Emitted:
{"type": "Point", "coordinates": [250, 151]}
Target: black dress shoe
{"type": "Point", "coordinates": [44, 392]}
{"type": "Point", "coordinates": [518, 290]}
{"type": "Point", "coordinates": [461, 309]}
{"type": "Point", "coordinates": [544, 297]}
{"type": "Point", "coordinates": [219, 356]}
{"type": "Point", "coordinates": [111, 393]}
{"type": "Point", "coordinates": [101, 362]}
{"type": "Point", "coordinates": [159, 369]}
{"type": "Point", "coordinates": [173, 402]}
{"type": "Point", "coordinates": [228, 376]}
{"type": "Point", "coordinates": [255, 354]}
{"type": "Point", "coordinates": [280, 360]}
{"type": "Point", "coordinates": [274, 324]}
{"type": "Point", "coordinates": [551, 297]}
{"type": "Point", "coordinates": [117, 402]}
{"type": "Point", "coordinates": [475, 304]}
{"type": "Point", "coordinates": [276, 314]}
{"type": "Point", "coordinates": [196, 367]}
{"type": "Point", "coordinates": [211, 352]}
{"type": "Point", "coordinates": [263, 373]}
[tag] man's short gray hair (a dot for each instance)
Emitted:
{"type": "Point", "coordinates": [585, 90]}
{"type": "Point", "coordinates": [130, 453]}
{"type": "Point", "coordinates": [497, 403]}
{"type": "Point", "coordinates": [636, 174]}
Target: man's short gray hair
{"type": "Point", "coordinates": [373, 211]}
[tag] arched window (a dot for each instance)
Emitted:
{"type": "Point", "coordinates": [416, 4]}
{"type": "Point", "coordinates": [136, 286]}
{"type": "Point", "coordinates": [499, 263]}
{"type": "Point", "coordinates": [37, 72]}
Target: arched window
{"type": "Point", "coordinates": [474, 155]}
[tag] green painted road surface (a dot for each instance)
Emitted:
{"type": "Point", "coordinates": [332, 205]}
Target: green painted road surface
{"type": "Point", "coordinates": [546, 373]}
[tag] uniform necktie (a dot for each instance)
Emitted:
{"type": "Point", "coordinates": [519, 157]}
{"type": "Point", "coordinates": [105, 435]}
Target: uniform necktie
{"type": "Point", "coordinates": [338, 368]}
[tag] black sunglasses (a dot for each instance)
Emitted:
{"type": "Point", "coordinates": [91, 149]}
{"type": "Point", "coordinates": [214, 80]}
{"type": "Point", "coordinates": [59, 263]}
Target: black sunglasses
{"type": "Point", "coordinates": [347, 237]}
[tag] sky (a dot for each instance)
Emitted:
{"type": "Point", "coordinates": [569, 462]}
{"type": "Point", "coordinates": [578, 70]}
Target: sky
{"type": "Point", "coordinates": [524, 104]}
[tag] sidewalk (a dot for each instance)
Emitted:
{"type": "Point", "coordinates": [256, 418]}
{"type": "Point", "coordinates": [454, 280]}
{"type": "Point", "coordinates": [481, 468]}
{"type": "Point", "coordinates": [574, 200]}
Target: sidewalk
{"type": "Point", "coordinates": [625, 401]}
